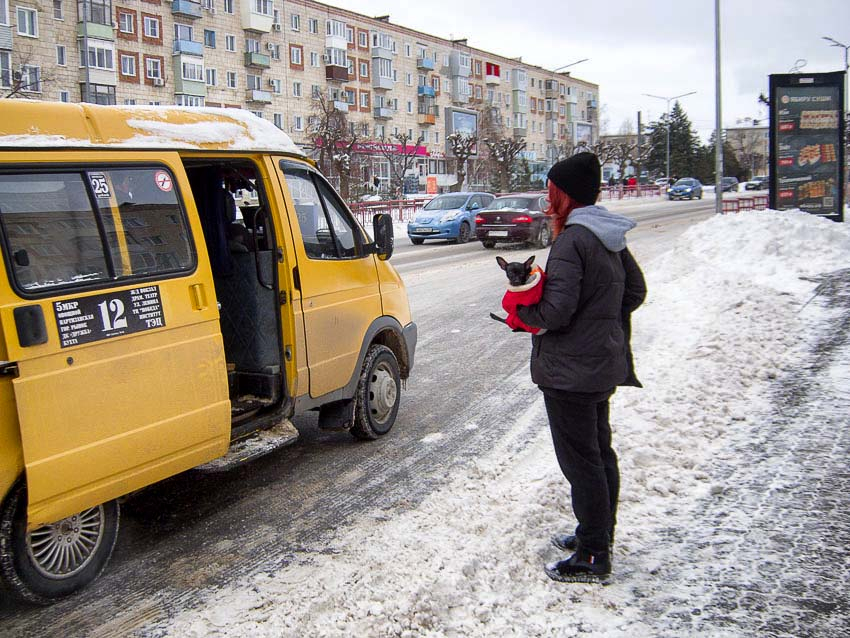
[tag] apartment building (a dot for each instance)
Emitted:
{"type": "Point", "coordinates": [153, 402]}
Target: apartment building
{"type": "Point", "coordinates": [273, 57]}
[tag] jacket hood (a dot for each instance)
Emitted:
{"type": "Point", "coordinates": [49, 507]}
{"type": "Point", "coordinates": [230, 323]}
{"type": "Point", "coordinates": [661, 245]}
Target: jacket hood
{"type": "Point", "coordinates": [609, 227]}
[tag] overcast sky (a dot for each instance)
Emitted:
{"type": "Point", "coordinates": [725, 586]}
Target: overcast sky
{"type": "Point", "coordinates": [662, 47]}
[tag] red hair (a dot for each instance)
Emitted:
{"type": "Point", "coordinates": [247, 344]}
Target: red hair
{"type": "Point", "coordinates": [560, 206]}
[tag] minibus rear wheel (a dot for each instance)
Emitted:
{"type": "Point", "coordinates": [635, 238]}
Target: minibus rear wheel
{"type": "Point", "coordinates": [56, 560]}
{"type": "Point", "coordinates": [378, 394]}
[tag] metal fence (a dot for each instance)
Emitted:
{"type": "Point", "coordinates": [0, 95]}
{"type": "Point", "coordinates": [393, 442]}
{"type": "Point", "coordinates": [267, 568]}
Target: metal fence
{"type": "Point", "coordinates": [740, 204]}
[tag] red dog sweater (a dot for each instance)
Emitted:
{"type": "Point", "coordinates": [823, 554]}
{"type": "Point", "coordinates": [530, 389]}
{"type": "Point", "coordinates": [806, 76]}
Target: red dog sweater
{"type": "Point", "coordinates": [526, 295]}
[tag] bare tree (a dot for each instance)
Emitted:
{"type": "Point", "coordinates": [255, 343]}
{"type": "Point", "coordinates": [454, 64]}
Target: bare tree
{"type": "Point", "coordinates": [462, 146]}
{"type": "Point", "coordinates": [401, 159]}
{"type": "Point", "coordinates": [745, 145]}
{"type": "Point", "coordinates": [603, 150]}
{"type": "Point", "coordinates": [625, 153]}
{"type": "Point", "coordinates": [23, 82]}
{"type": "Point", "coordinates": [503, 153]}
{"type": "Point", "coordinates": [331, 134]}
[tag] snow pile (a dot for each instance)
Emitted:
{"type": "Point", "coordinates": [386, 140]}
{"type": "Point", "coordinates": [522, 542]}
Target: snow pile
{"type": "Point", "coordinates": [723, 318]}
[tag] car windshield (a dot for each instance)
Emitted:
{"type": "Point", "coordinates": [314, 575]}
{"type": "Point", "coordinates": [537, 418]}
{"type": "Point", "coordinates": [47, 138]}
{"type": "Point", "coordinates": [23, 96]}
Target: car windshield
{"type": "Point", "coordinates": [729, 180]}
{"type": "Point", "coordinates": [685, 182]}
{"type": "Point", "coordinates": [446, 203]}
{"type": "Point", "coordinates": [511, 202]}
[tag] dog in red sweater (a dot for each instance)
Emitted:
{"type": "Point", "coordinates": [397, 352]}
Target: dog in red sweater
{"type": "Point", "coordinates": [525, 288]}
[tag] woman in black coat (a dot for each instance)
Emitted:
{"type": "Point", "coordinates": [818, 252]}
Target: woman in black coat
{"type": "Point", "coordinates": [592, 285]}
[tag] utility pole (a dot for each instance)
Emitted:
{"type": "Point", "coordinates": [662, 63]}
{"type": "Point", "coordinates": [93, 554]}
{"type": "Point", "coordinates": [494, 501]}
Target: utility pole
{"type": "Point", "coordinates": [639, 147]}
{"type": "Point", "coordinates": [718, 126]}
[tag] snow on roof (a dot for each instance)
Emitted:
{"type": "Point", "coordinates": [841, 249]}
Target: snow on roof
{"type": "Point", "coordinates": [56, 125]}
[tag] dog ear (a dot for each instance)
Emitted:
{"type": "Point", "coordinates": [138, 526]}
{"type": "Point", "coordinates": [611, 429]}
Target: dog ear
{"type": "Point", "coordinates": [502, 263]}
{"type": "Point", "coordinates": [528, 262]}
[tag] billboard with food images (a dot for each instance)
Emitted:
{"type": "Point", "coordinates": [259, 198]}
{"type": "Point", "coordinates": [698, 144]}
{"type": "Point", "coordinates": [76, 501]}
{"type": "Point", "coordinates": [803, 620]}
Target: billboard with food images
{"type": "Point", "coordinates": [806, 151]}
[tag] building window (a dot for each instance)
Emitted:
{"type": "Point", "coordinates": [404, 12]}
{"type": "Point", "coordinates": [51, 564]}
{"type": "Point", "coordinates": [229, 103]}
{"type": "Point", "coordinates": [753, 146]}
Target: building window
{"type": "Point", "coordinates": [193, 71]}
{"type": "Point", "coordinates": [295, 22]}
{"type": "Point", "coordinates": [276, 86]}
{"type": "Point", "coordinates": [211, 79]}
{"type": "Point", "coordinates": [252, 45]}
{"type": "Point", "coordinates": [128, 65]}
{"type": "Point", "coordinates": [263, 7]}
{"type": "Point", "coordinates": [335, 28]}
{"type": "Point", "coordinates": [189, 100]}
{"type": "Point", "coordinates": [364, 69]}
{"type": "Point", "coordinates": [58, 14]}
{"type": "Point", "coordinates": [295, 55]}
{"type": "Point", "coordinates": [97, 11]}
{"type": "Point", "coordinates": [27, 22]}
{"type": "Point", "coordinates": [99, 57]}
{"type": "Point", "coordinates": [254, 82]}
{"type": "Point", "coordinates": [5, 69]}
{"type": "Point", "coordinates": [30, 78]}
{"type": "Point", "coordinates": [153, 68]}
{"type": "Point", "coordinates": [296, 89]}
{"type": "Point", "coordinates": [298, 122]}
{"type": "Point", "coordinates": [315, 91]}
{"type": "Point", "coordinates": [228, 6]}
{"type": "Point", "coordinates": [230, 42]}
{"type": "Point", "coordinates": [231, 80]}
{"type": "Point", "coordinates": [363, 39]}
{"type": "Point", "coordinates": [409, 106]}
{"type": "Point", "coordinates": [60, 55]}
{"type": "Point", "coordinates": [126, 22]}
{"type": "Point", "coordinates": [349, 35]}
{"type": "Point", "coordinates": [314, 58]}
{"type": "Point", "coordinates": [277, 120]}
{"type": "Point", "coordinates": [312, 25]}
{"type": "Point", "coordinates": [183, 32]}
{"type": "Point", "coordinates": [151, 27]}
{"type": "Point", "coordinates": [64, 96]}
{"type": "Point", "coordinates": [364, 99]}
{"type": "Point", "coordinates": [209, 38]}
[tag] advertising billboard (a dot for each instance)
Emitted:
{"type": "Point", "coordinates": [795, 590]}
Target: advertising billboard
{"type": "Point", "coordinates": [463, 121]}
{"type": "Point", "coordinates": [806, 143]}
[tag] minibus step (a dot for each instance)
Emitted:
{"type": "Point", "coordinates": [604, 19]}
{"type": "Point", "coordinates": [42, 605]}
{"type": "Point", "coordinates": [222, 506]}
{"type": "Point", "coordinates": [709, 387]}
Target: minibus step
{"type": "Point", "coordinates": [253, 446]}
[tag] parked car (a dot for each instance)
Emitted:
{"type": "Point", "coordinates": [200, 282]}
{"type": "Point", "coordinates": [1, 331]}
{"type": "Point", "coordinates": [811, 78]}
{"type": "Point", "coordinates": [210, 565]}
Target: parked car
{"type": "Point", "coordinates": [685, 188]}
{"type": "Point", "coordinates": [515, 218]}
{"type": "Point", "coordinates": [663, 181]}
{"type": "Point", "coordinates": [758, 183]}
{"type": "Point", "coordinates": [729, 184]}
{"type": "Point", "coordinates": [450, 216]}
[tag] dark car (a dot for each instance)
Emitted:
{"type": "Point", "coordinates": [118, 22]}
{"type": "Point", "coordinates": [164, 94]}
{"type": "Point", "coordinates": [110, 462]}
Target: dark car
{"type": "Point", "coordinates": [515, 218]}
{"type": "Point", "coordinates": [758, 183]}
{"type": "Point", "coordinates": [729, 184]}
{"type": "Point", "coordinates": [685, 188]}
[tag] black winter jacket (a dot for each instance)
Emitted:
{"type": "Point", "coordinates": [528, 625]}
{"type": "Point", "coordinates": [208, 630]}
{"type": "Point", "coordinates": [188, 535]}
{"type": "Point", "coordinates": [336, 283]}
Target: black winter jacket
{"type": "Point", "coordinates": [589, 295]}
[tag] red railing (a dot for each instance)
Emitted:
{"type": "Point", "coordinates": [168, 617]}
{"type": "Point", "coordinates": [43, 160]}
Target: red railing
{"type": "Point", "coordinates": [401, 210]}
{"type": "Point", "coordinates": [740, 204]}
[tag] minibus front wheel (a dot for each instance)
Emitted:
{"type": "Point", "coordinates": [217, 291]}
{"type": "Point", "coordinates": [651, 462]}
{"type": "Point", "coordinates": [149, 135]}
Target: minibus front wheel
{"type": "Point", "coordinates": [55, 560]}
{"type": "Point", "coordinates": [378, 394]}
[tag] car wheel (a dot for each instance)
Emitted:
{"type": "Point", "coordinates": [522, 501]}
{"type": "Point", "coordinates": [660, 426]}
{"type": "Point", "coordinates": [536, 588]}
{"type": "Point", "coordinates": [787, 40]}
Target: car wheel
{"type": "Point", "coordinates": [544, 236]}
{"type": "Point", "coordinates": [700, 195]}
{"type": "Point", "coordinates": [463, 233]}
{"type": "Point", "coordinates": [416, 241]}
{"type": "Point", "coordinates": [488, 244]}
{"type": "Point", "coordinates": [55, 560]}
{"type": "Point", "coordinates": [378, 394]}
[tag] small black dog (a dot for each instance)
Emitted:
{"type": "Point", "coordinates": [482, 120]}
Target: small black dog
{"type": "Point", "coordinates": [518, 273]}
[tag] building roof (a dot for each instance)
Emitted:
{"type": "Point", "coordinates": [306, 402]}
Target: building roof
{"type": "Point", "coordinates": [26, 124]}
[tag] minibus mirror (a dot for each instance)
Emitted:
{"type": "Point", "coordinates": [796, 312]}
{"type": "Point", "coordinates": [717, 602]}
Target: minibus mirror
{"type": "Point", "coordinates": [382, 225]}
{"type": "Point", "coordinates": [22, 258]}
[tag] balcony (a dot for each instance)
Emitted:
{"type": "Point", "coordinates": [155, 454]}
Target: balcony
{"type": "Point", "coordinates": [340, 105]}
{"type": "Point", "coordinates": [382, 113]}
{"type": "Point", "coordinates": [334, 73]}
{"type": "Point", "coordinates": [572, 98]}
{"type": "Point", "coordinates": [382, 52]}
{"type": "Point", "coordinates": [425, 64]}
{"type": "Point", "coordinates": [188, 47]}
{"type": "Point", "coordinates": [520, 131]}
{"type": "Point", "coordinates": [427, 119]}
{"type": "Point", "coordinates": [427, 91]}
{"type": "Point", "coordinates": [186, 8]}
{"type": "Point", "coordinates": [382, 83]}
{"type": "Point", "coordinates": [591, 104]}
{"type": "Point", "coordinates": [257, 60]}
{"type": "Point", "coordinates": [255, 95]}
{"type": "Point", "coordinates": [492, 80]}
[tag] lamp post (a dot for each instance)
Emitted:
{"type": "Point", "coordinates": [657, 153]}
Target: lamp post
{"type": "Point", "coordinates": [846, 47]}
{"type": "Point", "coordinates": [561, 68]}
{"type": "Point", "coordinates": [667, 114]}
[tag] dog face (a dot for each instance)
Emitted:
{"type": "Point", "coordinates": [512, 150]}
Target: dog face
{"type": "Point", "coordinates": [517, 271]}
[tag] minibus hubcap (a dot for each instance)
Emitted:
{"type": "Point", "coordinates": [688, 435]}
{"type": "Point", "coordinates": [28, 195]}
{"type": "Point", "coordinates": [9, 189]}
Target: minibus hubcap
{"type": "Point", "coordinates": [382, 393]}
{"type": "Point", "coordinates": [64, 548]}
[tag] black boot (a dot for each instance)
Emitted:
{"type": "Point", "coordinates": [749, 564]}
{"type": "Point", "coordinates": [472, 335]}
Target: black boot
{"type": "Point", "coordinates": [569, 542]}
{"type": "Point", "coordinates": [581, 567]}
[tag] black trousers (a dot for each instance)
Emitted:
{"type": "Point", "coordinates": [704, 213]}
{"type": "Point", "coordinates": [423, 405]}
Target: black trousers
{"type": "Point", "coordinates": [581, 434]}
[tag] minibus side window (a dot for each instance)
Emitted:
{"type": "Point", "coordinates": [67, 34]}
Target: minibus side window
{"type": "Point", "coordinates": [91, 227]}
{"type": "Point", "coordinates": [52, 233]}
{"type": "Point", "coordinates": [326, 231]}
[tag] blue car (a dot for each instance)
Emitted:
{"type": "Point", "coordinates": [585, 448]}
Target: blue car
{"type": "Point", "coordinates": [450, 216]}
{"type": "Point", "coordinates": [685, 188]}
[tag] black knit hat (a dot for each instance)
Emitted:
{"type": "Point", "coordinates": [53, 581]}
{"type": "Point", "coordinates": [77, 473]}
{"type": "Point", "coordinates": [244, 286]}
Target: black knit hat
{"type": "Point", "coordinates": [578, 176]}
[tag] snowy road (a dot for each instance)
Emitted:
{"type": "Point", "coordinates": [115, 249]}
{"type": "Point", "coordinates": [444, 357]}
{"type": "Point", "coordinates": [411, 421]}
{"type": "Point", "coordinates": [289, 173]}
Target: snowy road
{"type": "Point", "coordinates": [440, 528]}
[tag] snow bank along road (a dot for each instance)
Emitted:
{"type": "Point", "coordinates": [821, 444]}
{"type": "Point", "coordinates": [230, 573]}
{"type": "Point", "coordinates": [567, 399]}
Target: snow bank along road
{"type": "Point", "coordinates": [441, 527]}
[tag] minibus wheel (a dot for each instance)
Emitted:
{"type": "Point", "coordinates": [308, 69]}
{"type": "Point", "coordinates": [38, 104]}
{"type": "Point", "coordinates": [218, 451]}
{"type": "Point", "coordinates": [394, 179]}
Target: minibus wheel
{"type": "Point", "coordinates": [378, 394]}
{"type": "Point", "coordinates": [58, 559]}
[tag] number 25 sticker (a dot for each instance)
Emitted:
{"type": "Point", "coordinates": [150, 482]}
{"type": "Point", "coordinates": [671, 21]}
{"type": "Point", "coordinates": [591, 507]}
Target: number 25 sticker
{"type": "Point", "coordinates": [99, 185]}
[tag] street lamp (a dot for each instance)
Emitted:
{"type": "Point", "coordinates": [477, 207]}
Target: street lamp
{"type": "Point", "coordinates": [668, 100]}
{"type": "Point", "coordinates": [846, 47]}
{"type": "Point", "coordinates": [561, 68]}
